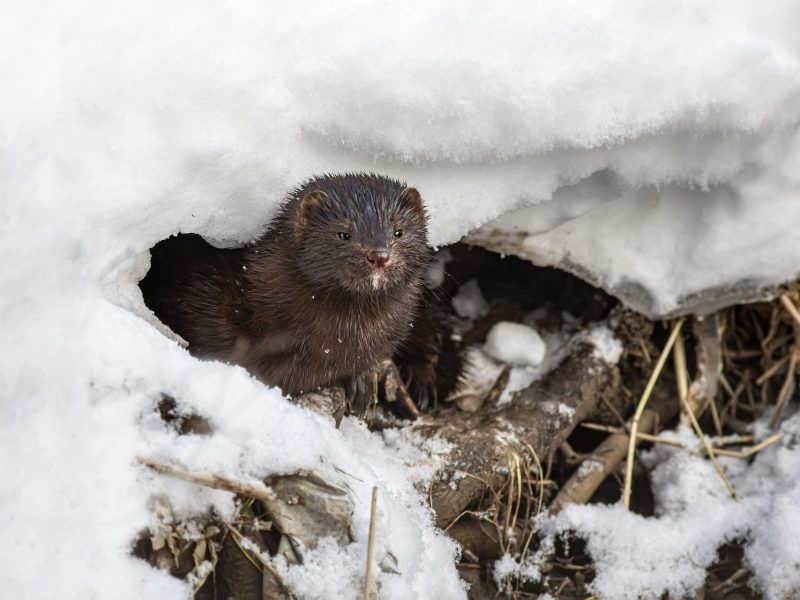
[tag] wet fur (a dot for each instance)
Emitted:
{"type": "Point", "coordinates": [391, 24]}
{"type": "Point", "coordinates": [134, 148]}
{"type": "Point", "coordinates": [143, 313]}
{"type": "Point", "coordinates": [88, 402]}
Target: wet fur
{"type": "Point", "coordinates": [300, 307]}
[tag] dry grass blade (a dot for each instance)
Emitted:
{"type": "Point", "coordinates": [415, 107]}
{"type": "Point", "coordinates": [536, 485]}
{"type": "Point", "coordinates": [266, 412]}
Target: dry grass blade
{"type": "Point", "coordinates": [645, 437]}
{"type": "Point", "coordinates": [643, 347]}
{"type": "Point", "coordinates": [539, 502]}
{"type": "Point", "coordinates": [748, 452]}
{"type": "Point", "coordinates": [790, 307]}
{"type": "Point", "coordinates": [718, 447]}
{"type": "Point", "coordinates": [681, 371]}
{"type": "Point", "coordinates": [626, 495]}
{"type": "Point", "coordinates": [723, 381]}
{"type": "Point", "coordinates": [773, 370]}
{"type": "Point", "coordinates": [690, 402]}
{"type": "Point", "coordinates": [370, 543]}
{"type": "Point", "coordinates": [734, 441]}
{"type": "Point", "coordinates": [512, 474]}
{"type": "Point", "coordinates": [518, 468]}
{"type": "Point", "coordinates": [709, 450]}
{"type": "Point", "coordinates": [786, 388]}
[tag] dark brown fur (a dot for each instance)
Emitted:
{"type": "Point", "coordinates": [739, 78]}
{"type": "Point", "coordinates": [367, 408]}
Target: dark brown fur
{"type": "Point", "coordinates": [301, 308]}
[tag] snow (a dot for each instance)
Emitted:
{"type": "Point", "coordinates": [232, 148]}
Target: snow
{"type": "Point", "coordinates": [639, 557]}
{"type": "Point", "coordinates": [606, 346]}
{"type": "Point", "coordinates": [529, 354]}
{"type": "Point", "coordinates": [673, 126]}
{"type": "Point", "coordinates": [672, 243]}
{"type": "Point", "coordinates": [640, 145]}
{"type": "Point", "coordinates": [588, 467]}
{"type": "Point", "coordinates": [504, 568]}
{"type": "Point", "coordinates": [434, 278]}
{"type": "Point", "coordinates": [515, 343]}
{"type": "Point", "coordinates": [87, 411]}
{"type": "Point", "coordinates": [468, 301]}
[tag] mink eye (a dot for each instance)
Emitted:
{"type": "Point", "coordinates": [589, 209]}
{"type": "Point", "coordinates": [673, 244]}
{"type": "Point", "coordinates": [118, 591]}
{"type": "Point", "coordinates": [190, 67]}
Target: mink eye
{"type": "Point", "coordinates": [343, 236]}
{"type": "Point", "coordinates": [398, 233]}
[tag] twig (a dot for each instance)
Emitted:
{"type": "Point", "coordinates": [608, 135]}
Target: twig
{"type": "Point", "coordinates": [580, 487]}
{"type": "Point", "coordinates": [730, 581]}
{"type": "Point", "coordinates": [733, 441]}
{"type": "Point", "coordinates": [260, 492]}
{"type": "Point", "coordinates": [681, 372]}
{"type": "Point", "coordinates": [517, 461]}
{"type": "Point", "coordinates": [786, 388]}
{"type": "Point", "coordinates": [790, 307]}
{"type": "Point", "coordinates": [745, 353]}
{"type": "Point", "coordinates": [370, 543]}
{"type": "Point", "coordinates": [723, 381]}
{"type": "Point", "coordinates": [579, 383]}
{"type": "Point", "coordinates": [392, 372]}
{"type": "Point", "coordinates": [645, 353]}
{"type": "Point", "coordinates": [718, 446]}
{"type": "Point", "coordinates": [772, 370]}
{"type": "Point", "coordinates": [748, 452]}
{"type": "Point", "coordinates": [539, 501]}
{"type": "Point", "coordinates": [645, 437]}
{"type": "Point", "coordinates": [626, 495]}
{"type": "Point", "coordinates": [613, 410]}
{"type": "Point", "coordinates": [499, 386]}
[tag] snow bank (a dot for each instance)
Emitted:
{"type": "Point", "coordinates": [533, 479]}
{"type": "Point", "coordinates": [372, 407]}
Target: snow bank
{"type": "Point", "coordinates": [80, 383]}
{"type": "Point", "coordinates": [673, 125]}
{"type": "Point", "coordinates": [665, 134]}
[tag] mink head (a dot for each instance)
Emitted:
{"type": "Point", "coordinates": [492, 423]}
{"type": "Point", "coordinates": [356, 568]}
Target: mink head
{"type": "Point", "coordinates": [365, 234]}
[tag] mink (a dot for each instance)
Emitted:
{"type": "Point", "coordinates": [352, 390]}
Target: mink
{"type": "Point", "coordinates": [430, 358]}
{"type": "Point", "coordinates": [329, 290]}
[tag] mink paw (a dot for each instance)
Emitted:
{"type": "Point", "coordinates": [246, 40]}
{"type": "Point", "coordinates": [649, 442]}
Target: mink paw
{"type": "Point", "coordinates": [364, 390]}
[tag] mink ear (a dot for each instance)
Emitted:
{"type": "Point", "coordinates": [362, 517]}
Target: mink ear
{"type": "Point", "coordinates": [308, 205]}
{"type": "Point", "coordinates": [411, 200]}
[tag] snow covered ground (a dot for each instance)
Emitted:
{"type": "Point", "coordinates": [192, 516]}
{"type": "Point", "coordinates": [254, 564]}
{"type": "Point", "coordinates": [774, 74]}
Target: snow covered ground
{"type": "Point", "coordinates": [638, 557]}
{"type": "Point", "coordinates": [653, 147]}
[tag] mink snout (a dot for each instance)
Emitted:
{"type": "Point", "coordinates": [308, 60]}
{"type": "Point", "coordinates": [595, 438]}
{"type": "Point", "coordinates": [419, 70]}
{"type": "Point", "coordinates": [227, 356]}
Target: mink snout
{"type": "Point", "coordinates": [378, 258]}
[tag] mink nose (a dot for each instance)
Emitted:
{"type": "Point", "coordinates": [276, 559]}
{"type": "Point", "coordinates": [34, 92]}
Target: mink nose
{"type": "Point", "coordinates": [378, 258]}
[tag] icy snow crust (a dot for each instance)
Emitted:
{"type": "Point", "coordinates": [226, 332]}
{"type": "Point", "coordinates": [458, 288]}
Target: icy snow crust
{"type": "Point", "coordinates": [126, 122]}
